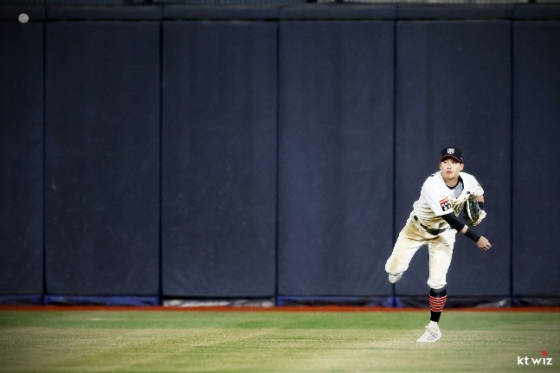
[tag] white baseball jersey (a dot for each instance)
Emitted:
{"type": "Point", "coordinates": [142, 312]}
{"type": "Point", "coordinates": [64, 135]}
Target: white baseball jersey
{"type": "Point", "coordinates": [437, 199]}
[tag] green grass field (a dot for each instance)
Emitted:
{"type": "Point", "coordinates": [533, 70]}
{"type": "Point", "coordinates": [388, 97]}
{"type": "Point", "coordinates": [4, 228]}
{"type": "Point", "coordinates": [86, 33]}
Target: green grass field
{"type": "Point", "coordinates": [271, 341]}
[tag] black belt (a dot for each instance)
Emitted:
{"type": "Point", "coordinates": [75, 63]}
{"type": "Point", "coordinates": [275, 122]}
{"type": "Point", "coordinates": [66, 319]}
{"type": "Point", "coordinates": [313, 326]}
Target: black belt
{"type": "Point", "coordinates": [433, 232]}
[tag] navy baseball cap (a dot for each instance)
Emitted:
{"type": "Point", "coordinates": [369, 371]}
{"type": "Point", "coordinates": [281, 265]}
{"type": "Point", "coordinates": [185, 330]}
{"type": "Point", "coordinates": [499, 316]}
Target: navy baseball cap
{"type": "Point", "coordinates": [452, 152]}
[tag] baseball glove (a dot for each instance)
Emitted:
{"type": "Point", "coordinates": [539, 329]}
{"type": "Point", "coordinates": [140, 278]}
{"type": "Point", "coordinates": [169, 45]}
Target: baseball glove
{"type": "Point", "coordinates": [472, 212]}
{"type": "Point", "coordinates": [458, 203]}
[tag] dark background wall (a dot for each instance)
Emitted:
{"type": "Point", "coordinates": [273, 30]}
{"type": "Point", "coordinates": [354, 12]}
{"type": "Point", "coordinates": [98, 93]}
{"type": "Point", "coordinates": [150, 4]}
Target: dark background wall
{"type": "Point", "coordinates": [335, 157]}
{"type": "Point", "coordinates": [102, 158]}
{"type": "Point", "coordinates": [536, 135]}
{"type": "Point", "coordinates": [453, 89]}
{"type": "Point", "coordinates": [272, 152]}
{"type": "Point", "coordinates": [219, 159]}
{"type": "Point", "coordinates": [21, 158]}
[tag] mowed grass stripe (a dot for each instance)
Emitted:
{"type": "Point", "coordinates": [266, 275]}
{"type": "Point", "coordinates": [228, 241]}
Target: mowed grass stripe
{"type": "Point", "coordinates": [136, 341]}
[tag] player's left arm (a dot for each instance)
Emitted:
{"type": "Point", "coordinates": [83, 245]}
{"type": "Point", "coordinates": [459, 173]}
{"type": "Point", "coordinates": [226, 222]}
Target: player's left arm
{"type": "Point", "coordinates": [481, 241]}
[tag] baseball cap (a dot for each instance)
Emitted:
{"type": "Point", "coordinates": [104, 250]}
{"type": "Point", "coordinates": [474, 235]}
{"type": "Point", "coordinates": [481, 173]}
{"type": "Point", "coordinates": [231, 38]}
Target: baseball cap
{"type": "Point", "coordinates": [452, 152]}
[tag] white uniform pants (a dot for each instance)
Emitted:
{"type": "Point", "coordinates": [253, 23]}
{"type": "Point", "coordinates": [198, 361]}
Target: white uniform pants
{"type": "Point", "coordinates": [440, 249]}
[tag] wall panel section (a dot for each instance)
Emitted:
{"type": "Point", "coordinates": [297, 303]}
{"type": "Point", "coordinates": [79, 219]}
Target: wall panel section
{"type": "Point", "coordinates": [21, 158]}
{"type": "Point", "coordinates": [335, 157]}
{"type": "Point", "coordinates": [454, 89]}
{"type": "Point", "coordinates": [536, 181]}
{"type": "Point", "coordinates": [219, 159]}
{"type": "Point", "coordinates": [102, 158]}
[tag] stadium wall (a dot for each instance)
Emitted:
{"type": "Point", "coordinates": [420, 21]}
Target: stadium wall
{"type": "Point", "coordinates": [235, 153]}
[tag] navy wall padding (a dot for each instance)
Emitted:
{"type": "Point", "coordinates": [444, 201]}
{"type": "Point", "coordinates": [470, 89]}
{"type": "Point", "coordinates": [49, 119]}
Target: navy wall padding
{"type": "Point", "coordinates": [536, 180]}
{"type": "Point", "coordinates": [453, 90]}
{"type": "Point", "coordinates": [237, 151]}
{"type": "Point", "coordinates": [102, 158]}
{"type": "Point", "coordinates": [455, 11]}
{"type": "Point", "coordinates": [11, 12]}
{"type": "Point", "coordinates": [21, 159]}
{"type": "Point", "coordinates": [335, 157]}
{"type": "Point", "coordinates": [220, 12]}
{"type": "Point", "coordinates": [338, 12]}
{"type": "Point", "coordinates": [537, 11]}
{"type": "Point", "coordinates": [87, 13]}
{"type": "Point", "coordinates": [219, 159]}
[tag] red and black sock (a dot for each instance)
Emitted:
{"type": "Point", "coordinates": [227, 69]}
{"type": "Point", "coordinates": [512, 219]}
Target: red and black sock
{"type": "Point", "coordinates": [438, 297]}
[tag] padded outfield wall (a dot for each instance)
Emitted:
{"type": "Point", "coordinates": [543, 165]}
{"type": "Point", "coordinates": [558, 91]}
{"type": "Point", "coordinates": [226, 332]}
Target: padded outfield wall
{"type": "Point", "coordinates": [184, 152]}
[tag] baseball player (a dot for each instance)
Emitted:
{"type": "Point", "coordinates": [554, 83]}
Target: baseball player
{"type": "Point", "coordinates": [434, 222]}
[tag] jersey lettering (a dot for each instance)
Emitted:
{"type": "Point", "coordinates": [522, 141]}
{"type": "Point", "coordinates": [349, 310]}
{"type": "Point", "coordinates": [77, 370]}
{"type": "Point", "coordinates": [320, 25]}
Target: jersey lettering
{"type": "Point", "coordinates": [445, 204]}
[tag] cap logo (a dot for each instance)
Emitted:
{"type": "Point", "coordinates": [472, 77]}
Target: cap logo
{"type": "Point", "coordinates": [450, 151]}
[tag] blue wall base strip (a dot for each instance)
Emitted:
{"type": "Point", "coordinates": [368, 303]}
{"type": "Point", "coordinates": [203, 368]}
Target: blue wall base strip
{"type": "Point", "coordinates": [536, 302]}
{"type": "Point", "coordinates": [101, 300]}
{"type": "Point", "coordinates": [333, 300]}
{"type": "Point", "coordinates": [20, 299]}
{"type": "Point", "coordinates": [393, 302]}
